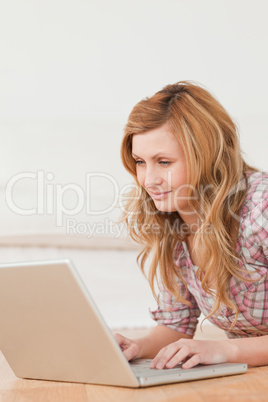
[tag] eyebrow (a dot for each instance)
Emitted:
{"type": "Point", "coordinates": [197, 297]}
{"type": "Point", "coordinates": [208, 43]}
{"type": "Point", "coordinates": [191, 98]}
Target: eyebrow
{"type": "Point", "coordinates": [155, 156]}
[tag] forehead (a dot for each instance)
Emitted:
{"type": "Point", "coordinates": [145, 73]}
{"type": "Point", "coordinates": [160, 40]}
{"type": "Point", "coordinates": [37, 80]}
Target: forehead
{"type": "Point", "coordinates": [158, 140]}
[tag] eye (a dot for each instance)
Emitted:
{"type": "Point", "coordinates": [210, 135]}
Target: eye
{"type": "Point", "coordinates": [164, 163]}
{"type": "Point", "coordinates": [139, 162]}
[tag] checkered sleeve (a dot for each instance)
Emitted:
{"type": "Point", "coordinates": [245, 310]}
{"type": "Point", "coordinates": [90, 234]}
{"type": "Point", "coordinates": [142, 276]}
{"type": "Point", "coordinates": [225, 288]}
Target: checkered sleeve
{"type": "Point", "coordinates": [260, 225]}
{"type": "Point", "coordinates": [256, 222]}
{"type": "Point", "coordinates": [176, 315]}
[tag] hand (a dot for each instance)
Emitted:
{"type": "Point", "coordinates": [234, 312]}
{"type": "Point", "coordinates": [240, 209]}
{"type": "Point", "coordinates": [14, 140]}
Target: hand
{"type": "Point", "coordinates": [194, 352]}
{"type": "Point", "coordinates": [128, 347]}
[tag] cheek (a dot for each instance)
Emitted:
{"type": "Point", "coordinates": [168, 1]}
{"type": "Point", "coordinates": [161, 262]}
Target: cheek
{"type": "Point", "coordinates": [140, 176]}
{"type": "Point", "coordinates": [178, 178]}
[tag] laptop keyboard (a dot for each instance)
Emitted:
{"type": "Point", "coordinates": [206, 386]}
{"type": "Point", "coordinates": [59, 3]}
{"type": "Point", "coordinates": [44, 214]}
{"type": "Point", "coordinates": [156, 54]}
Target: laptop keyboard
{"type": "Point", "coordinates": [141, 368]}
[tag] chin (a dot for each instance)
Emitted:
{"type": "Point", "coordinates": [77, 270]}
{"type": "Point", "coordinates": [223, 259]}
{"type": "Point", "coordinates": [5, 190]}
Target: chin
{"type": "Point", "coordinates": [164, 208]}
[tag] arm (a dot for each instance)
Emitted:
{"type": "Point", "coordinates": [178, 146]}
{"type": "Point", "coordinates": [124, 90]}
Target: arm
{"type": "Point", "coordinates": [253, 351]}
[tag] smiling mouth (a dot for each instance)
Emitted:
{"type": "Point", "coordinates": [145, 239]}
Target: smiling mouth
{"type": "Point", "coordinates": [159, 196]}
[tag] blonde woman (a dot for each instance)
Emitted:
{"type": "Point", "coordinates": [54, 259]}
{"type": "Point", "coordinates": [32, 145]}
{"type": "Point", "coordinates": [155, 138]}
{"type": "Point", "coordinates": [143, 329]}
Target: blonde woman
{"type": "Point", "coordinates": [201, 213]}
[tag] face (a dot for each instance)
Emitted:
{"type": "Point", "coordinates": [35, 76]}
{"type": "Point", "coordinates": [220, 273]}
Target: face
{"type": "Point", "coordinates": [161, 169]}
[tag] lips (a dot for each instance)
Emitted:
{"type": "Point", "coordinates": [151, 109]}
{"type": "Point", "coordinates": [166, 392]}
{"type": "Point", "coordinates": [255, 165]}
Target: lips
{"type": "Point", "coordinates": [158, 195]}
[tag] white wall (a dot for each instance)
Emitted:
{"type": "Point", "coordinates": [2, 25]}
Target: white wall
{"type": "Point", "coordinates": [71, 71]}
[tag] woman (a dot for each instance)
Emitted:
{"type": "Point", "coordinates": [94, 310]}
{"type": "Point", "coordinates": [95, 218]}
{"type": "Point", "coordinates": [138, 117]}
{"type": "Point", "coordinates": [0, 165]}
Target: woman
{"type": "Point", "coordinates": [201, 213]}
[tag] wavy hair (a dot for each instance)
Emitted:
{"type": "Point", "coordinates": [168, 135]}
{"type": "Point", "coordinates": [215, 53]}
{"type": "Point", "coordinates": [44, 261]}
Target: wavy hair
{"type": "Point", "coordinates": [215, 167]}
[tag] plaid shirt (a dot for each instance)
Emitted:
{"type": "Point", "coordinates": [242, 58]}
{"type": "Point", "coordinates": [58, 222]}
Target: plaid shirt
{"type": "Point", "coordinates": [251, 298]}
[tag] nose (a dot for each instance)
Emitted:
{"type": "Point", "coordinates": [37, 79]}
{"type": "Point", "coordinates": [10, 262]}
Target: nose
{"type": "Point", "coordinates": [152, 178]}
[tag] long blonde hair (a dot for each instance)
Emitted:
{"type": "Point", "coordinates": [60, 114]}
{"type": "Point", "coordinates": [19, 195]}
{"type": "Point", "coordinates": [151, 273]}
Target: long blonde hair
{"type": "Point", "coordinates": [215, 167]}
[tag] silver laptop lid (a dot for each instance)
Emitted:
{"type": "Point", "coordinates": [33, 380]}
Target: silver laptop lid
{"type": "Point", "coordinates": [52, 330]}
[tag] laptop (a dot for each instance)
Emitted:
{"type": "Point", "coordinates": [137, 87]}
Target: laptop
{"type": "Point", "coordinates": [51, 329]}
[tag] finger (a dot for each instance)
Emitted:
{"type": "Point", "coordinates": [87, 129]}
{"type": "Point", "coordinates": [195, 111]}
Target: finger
{"type": "Point", "coordinates": [192, 362]}
{"type": "Point", "coordinates": [130, 352]}
{"type": "Point", "coordinates": [157, 358]}
{"type": "Point", "coordinates": [120, 339]}
{"type": "Point", "coordinates": [180, 356]}
{"type": "Point", "coordinates": [165, 355]}
{"type": "Point", "coordinates": [128, 347]}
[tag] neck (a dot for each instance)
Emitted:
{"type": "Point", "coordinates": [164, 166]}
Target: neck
{"type": "Point", "coordinates": [191, 223]}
